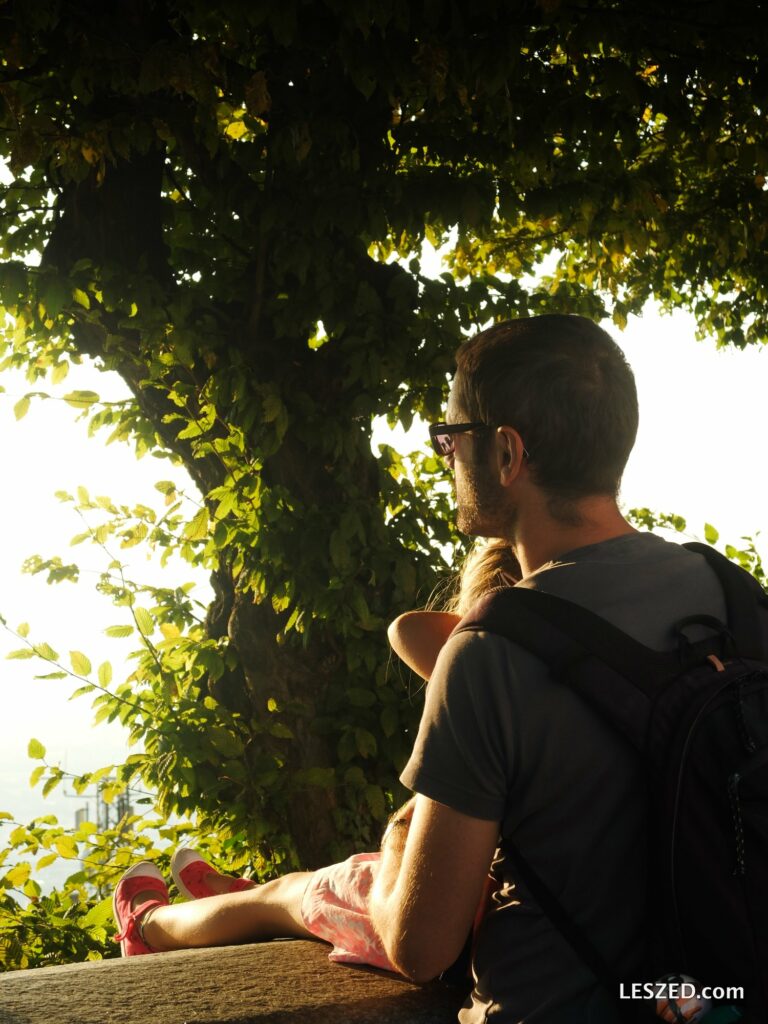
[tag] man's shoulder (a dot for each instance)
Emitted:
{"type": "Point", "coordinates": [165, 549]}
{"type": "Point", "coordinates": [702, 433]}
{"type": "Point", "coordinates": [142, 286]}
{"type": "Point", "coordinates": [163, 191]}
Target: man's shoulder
{"type": "Point", "coordinates": [637, 549]}
{"type": "Point", "coordinates": [639, 582]}
{"type": "Point", "coordinates": [468, 649]}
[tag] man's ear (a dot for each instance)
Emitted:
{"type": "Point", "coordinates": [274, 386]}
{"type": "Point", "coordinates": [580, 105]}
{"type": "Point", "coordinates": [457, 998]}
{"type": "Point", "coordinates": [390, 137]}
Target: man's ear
{"type": "Point", "coordinates": [509, 454]}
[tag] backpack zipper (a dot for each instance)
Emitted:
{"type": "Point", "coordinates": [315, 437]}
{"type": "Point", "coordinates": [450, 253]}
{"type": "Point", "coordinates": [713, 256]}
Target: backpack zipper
{"type": "Point", "coordinates": [738, 823]}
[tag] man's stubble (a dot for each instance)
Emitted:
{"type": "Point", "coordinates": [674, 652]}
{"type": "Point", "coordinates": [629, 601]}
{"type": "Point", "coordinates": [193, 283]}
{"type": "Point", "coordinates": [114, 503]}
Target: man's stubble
{"type": "Point", "coordinates": [482, 505]}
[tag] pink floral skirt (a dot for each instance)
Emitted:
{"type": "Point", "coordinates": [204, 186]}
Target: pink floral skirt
{"type": "Point", "coordinates": [335, 908]}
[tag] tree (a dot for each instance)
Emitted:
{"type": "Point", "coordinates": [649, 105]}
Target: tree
{"type": "Point", "coordinates": [217, 196]}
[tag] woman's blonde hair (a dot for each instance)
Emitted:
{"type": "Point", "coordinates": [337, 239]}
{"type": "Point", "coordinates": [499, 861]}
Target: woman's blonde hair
{"type": "Point", "coordinates": [489, 566]}
{"type": "Point", "coordinates": [417, 636]}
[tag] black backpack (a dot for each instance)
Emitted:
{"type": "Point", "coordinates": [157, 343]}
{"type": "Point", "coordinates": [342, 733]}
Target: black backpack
{"type": "Point", "coordinates": [698, 718]}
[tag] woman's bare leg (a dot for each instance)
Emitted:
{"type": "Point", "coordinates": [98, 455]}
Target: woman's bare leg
{"type": "Point", "coordinates": [268, 911]}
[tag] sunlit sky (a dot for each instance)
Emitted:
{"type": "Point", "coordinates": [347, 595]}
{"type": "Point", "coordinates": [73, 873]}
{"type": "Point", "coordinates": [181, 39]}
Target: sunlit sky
{"type": "Point", "coordinates": [699, 453]}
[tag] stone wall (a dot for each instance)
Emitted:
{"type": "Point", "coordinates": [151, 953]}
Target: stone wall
{"type": "Point", "coordinates": [275, 982]}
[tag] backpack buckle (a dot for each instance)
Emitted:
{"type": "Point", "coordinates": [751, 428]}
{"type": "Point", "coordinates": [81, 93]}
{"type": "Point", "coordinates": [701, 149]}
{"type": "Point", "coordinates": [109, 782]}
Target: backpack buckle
{"type": "Point", "coordinates": [692, 652]}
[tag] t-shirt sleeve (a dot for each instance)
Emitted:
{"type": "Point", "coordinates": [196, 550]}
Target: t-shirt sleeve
{"type": "Point", "coordinates": [464, 753]}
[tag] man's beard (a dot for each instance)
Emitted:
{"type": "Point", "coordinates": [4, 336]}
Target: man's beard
{"type": "Point", "coordinates": [481, 508]}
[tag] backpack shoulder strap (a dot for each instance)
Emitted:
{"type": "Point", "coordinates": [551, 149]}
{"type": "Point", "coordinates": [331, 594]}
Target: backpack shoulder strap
{"type": "Point", "coordinates": [614, 673]}
{"type": "Point", "coordinates": [561, 633]}
{"type": "Point", "coordinates": [745, 600]}
{"type": "Point", "coordinates": [617, 675]}
{"type": "Point", "coordinates": [578, 940]}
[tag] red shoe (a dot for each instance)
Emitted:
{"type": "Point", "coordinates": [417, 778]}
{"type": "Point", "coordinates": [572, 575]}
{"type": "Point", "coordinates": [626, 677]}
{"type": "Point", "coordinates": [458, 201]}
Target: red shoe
{"type": "Point", "coordinates": [142, 877]}
{"type": "Point", "coordinates": [190, 874]}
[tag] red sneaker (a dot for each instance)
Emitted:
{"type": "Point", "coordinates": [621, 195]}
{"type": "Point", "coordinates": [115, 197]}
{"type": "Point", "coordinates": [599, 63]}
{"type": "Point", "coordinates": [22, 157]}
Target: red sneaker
{"type": "Point", "coordinates": [190, 873]}
{"type": "Point", "coordinates": [142, 877]}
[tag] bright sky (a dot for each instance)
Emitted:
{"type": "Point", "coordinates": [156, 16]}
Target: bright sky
{"type": "Point", "coordinates": [699, 453]}
{"type": "Point", "coordinates": [45, 452]}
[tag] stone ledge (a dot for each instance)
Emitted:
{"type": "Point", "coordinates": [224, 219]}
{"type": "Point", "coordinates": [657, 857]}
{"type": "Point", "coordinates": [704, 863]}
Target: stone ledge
{"type": "Point", "coordinates": [262, 983]}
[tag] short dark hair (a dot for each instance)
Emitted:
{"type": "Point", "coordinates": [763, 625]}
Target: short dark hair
{"type": "Point", "coordinates": [564, 384]}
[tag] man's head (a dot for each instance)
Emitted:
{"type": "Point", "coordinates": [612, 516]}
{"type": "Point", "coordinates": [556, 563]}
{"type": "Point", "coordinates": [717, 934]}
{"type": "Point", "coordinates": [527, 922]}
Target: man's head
{"type": "Point", "coordinates": [565, 388]}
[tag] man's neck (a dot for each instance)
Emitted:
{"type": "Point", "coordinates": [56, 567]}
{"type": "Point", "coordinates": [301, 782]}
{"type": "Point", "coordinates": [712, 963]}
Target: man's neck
{"type": "Point", "coordinates": [539, 538]}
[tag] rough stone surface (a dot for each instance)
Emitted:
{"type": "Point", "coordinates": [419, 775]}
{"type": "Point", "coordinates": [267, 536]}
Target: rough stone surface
{"type": "Point", "coordinates": [264, 983]}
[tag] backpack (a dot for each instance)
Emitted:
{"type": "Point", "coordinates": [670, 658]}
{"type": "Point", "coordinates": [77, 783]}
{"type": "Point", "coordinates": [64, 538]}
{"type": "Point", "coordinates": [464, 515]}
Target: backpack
{"type": "Point", "coordinates": [698, 718]}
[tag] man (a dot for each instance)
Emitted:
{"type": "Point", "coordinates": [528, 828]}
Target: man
{"type": "Point", "coordinates": [541, 419]}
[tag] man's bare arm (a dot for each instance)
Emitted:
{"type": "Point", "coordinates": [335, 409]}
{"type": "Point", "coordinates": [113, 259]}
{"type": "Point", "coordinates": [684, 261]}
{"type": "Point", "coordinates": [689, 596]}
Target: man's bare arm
{"type": "Point", "coordinates": [428, 887]}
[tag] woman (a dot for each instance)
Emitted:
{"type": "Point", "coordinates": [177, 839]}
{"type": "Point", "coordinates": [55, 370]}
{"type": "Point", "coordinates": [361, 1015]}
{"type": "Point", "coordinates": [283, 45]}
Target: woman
{"type": "Point", "coordinates": [329, 904]}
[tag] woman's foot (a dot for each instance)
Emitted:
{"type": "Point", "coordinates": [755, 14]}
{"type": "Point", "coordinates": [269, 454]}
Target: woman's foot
{"type": "Point", "coordinates": [141, 889]}
{"type": "Point", "coordinates": [196, 879]}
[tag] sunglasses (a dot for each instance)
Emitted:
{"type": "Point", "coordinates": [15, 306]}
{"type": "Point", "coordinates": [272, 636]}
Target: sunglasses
{"type": "Point", "coordinates": [441, 436]}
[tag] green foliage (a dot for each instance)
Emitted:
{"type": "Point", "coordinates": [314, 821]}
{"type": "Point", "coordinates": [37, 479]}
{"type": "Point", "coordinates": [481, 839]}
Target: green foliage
{"type": "Point", "coordinates": [74, 921]}
{"type": "Point", "coordinates": [210, 200]}
{"type": "Point", "coordinates": [745, 554]}
{"type": "Point", "coordinates": [198, 755]}
{"type": "Point", "coordinates": [647, 519]}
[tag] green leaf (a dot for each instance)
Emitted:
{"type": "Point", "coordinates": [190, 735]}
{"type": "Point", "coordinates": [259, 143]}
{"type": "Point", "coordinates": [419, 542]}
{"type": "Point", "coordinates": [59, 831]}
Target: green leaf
{"type": "Point", "coordinates": [21, 408]}
{"type": "Point", "coordinates": [226, 742]}
{"type": "Point", "coordinates": [60, 371]}
{"type": "Point", "coordinates": [105, 673]}
{"type": "Point", "coordinates": [46, 652]}
{"type": "Point", "coordinates": [35, 750]}
{"type": "Point", "coordinates": [31, 889]}
{"type": "Point", "coordinates": [711, 535]}
{"type": "Point", "coordinates": [21, 654]}
{"type": "Point", "coordinates": [272, 407]}
{"type": "Point", "coordinates": [226, 505]}
{"type": "Point", "coordinates": [18, 875]}
{"type": "Point", "coordinates": [390, 721]}
{"type": "Point", "coordinates": [23, 629]}
{"type": "Point", "coordinates": [197, 529]}
{"type": "Point", "coordinates": [36, 775]}
{"type": "Point", "coordinates": [355, 777]}
{"type": "Point", "coordinates": [281, 730]}
{"type": "Point", "coordinates": [374, 797]}
{"type": "Point", "coordinates": [81, 665]}
{"type": "Point", "coordinates": [365, 743]}
{"type": "Point", "coordinates": [118, 631]}
{"type": "Point", "coordinates": [144, 621]}
{"type": "Point", "coordinates": [66, 846]}
{"type": "Point", "coordinates": [99, 915]}
{"type": "Point", "coordinates": [405, 577]}
{"type": "Point", "coordinates": [50, 784]}
{"type": "Point", "coordinates": [322, 777]}
{"type": "Point", "coordinates": [81, 399]}
{"type": "Point", "coordinates": [81, 298]}
{"type": "Point", "coordinates": [102, 773]}
{"type": "Point", "coordinates": [360, 698]}
{"type": "Point", "coordinates": [45, 861]}
{"type": "Point", "coordinates": [55, 296]}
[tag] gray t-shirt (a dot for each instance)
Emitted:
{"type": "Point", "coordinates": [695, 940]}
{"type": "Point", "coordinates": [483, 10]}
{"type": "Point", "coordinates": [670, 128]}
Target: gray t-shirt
{"type": "Point", "coordinates": [501, 740]}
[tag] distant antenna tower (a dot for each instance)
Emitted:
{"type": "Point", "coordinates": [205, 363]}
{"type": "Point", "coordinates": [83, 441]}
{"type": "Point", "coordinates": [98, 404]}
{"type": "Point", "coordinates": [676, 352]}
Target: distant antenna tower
{"type": "Point", "coordinates": [108, 815]}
